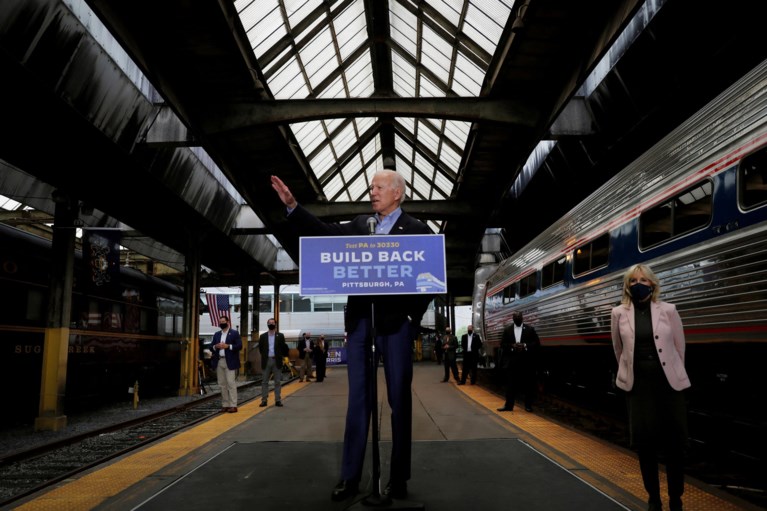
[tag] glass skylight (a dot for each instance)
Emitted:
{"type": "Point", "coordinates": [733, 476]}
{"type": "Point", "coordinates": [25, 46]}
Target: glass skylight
{"type": "Point", "coordinates": [315, 49]}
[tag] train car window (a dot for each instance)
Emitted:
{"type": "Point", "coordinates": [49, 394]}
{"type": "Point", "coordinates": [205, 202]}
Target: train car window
{"type": "Point", "coordinates": [592, 255]}
{"type": "Point", "coordinates": [687, 212]}
{"type": "Point", "coordinates": [286, 303]}
{"type": "Point", "coordinates": [91, 316]}
{"type": "Point", "coordinates": [265, 304]}
{"type": "Point", "coordinates": [752, 180]}
{"type": "Point", "coordinates": [509, 293]}
{"type": "Point", "coordinates": [113, 317]}
{"type": "Point", "coordinates": [165, 324]}
{"type": "Point", "coordinates": [553, 273]}
{"type": "Point", "coordinates": [144, 321]}
{"type": "Point", "coordinates": [35, 305]}
{"type": "Point", "coordinates": [301, 304]}
{"type": "Point", "coordinates": [527, 285]}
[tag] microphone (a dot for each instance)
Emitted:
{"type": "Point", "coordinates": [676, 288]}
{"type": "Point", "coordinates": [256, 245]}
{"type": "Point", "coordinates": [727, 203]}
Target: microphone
{"type": "Point", "coordinates": [372, 225]}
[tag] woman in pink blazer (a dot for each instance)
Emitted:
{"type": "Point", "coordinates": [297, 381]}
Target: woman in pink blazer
{"type": "Point", "coordinates": [648, 339]}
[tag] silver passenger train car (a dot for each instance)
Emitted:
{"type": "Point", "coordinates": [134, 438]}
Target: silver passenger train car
{"type": "Point", "coordinates": [694, 208]}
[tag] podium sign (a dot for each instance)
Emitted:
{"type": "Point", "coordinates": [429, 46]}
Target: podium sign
{"type": "Point", "coordinates": [372, 265]}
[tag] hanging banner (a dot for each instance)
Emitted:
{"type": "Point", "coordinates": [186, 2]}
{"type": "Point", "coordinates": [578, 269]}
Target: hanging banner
{"type": "Point", "coordinates": [372, 265]}
{"type": "Point", "coordinates": [101, 251]}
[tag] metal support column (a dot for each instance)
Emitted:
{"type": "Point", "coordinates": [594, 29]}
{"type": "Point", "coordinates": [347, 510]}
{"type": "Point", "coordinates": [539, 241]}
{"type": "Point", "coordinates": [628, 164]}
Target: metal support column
{"type": "Point", "coordinates": [189, 383]}
{"type": "Point", "coordinates": [244, 328]}
{"type": "Point", "coordinates": [54, 371]}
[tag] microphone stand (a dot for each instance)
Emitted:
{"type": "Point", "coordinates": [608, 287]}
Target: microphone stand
{"type": "Point", "coordinates": [375, 500]}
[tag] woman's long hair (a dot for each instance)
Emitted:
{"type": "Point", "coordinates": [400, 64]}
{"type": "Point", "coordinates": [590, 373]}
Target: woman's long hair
{"type": "Point", "coordinates": [648, 273]}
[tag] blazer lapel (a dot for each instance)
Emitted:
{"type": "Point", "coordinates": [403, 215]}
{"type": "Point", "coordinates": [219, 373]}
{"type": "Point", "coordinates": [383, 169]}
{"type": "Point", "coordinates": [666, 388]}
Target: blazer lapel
{"type": "Point", "coordinates": [630, 314]}
{"type": "Point", "coordinates": [655, 315]}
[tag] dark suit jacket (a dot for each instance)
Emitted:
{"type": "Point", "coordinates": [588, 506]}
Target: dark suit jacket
{"type": "Point", "coordinates": [232, 353]}
{"type": "Point", "coordinates": [320, 355]}
{"type": "Point", "coordinates": [476, 343]}
{"type": "Point", "coordinates": [511, 356]}
{"type": "Point", "coordinates": [449, 346]}
{"type": "Point", "coordinates": [281, 349]}
{"type": "Point", "coordinates": [302, 346]}
{"type": "Point", "coordinates": [391, 311]}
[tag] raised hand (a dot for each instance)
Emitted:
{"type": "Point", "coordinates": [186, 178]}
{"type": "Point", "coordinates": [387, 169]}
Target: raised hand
{"type": "Point", "coordinates": [283, 192]}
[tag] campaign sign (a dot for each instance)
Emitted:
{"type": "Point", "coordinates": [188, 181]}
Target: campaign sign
{"type": "Point", "coordinates": [336, 356]}
{"type": "Point", "coordinates": [372, 265]}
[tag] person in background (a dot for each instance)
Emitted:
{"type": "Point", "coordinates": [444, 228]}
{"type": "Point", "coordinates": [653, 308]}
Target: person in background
{"type": "Point", "coordinates": [519, 350]}
{"type": "Point", "coordinates": [449, 348]}
{"type": "Point", "coordinates": [438, 349]}
{"type": "Point", "coordinates": [471, 344]}
{"type": "Point", "coordinates": [273, 348]}
{"type": "Point", "coordinates": [397, 321]}
{"type": "Point", "coordinates": [648, 339]}
{"type": "Point", "coordinates": [305, 353]}
{"type": "Point", "coordinates": [320, 358]}
{"type": "Point", "coordinates": [225, 360]}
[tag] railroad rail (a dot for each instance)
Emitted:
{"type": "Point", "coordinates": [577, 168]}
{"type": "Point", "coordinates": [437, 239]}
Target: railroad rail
{"type": "Point", "coordinates": [25, 472]}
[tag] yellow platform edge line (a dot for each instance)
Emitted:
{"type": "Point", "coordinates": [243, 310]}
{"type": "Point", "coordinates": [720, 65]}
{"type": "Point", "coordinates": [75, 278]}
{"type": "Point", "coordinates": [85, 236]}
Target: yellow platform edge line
{"type": "Point", "coordinates": [95, 487]}
{"type": "Point", "coordinates": [610, 469]}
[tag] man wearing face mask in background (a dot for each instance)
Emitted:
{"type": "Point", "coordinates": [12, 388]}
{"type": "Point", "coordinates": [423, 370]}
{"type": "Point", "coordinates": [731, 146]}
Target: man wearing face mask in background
{"type": "Point", "coordinates": [225, 360]}
{"type": "Point", "coordinates": [471, 343]}
{"type": "Point", "coordinates": [519, 349]}
{"type": "Point", "coordinates": [273, 348]}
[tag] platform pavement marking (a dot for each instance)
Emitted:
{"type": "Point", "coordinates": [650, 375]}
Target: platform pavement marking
{"type": "Point", "coordinates": [618, 467]}
{"type": "Point", "coordinates": [88, 491]}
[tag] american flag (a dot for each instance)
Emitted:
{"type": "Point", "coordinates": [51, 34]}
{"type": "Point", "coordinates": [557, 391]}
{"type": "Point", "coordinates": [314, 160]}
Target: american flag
{"type": "Point", "coordinates": [218, 305]}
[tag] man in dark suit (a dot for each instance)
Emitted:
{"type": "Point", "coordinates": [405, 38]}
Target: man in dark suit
{"type": "Point", "coordinates": [226, 345]}
{"type": "Point", "coordinates": [273, 348]}
{"type": "Point", "coordinates": [519, 349]}
{"type": "Point", "coordinates": [397, 320]}
{"type": "Point", "coordinates": [471, 343]}
{"type": "Point", "coordinates": [320, 359]}
{"type": "Point", "coordinates": [450, 348]}
{"type": "Point", "coordinates": [306, 354]}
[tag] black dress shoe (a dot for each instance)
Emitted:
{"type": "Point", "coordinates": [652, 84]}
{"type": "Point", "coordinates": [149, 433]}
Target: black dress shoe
{"type": "Point", "coordinates": [278, 403]}
{"type": "Point", "coordinates": [343, 490]}
{"type": "Point", "coordinates": [505, 409]}
{"type": "Point", "coordinates": [263, 403]}
{"type": "Point", "coordinates": [396, 490]}
{"type": "Point", "coordinates": [528, 408]}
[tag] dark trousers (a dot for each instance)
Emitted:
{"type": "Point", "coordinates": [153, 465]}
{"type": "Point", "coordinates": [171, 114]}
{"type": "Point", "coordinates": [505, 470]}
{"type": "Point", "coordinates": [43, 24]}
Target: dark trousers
{"type": "Point", "coordinates": [319, 368]}
{"type": "Point", "coordinates": [469, 366]}
{"type": "Point", "coordinates": [450, 364]}
{"type": "Point", "coordinates": [658, 424]}
{"type": "Point", "coordinates": [398, 370]}
{"type": "Point", "coordinates": [648, 465]}
{"type": "Point", "coordinates": [519, 377]}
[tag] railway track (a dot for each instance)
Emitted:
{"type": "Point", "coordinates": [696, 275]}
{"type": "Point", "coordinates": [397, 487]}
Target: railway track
{"type": "Point", "coordinates": [28, 471]}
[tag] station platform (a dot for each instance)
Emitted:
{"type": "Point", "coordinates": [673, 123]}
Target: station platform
{"type": "Point", "coordinates": [466, 455]}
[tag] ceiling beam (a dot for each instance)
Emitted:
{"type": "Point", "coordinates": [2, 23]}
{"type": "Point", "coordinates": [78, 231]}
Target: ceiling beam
{"type": "Point", "coordinates": [239, 115]}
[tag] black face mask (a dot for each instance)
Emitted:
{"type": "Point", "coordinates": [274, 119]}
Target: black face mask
{"type": "Point", "coordinates": [271, 327]}
{"type": "Point", "coordinates": [518, 321]}
{"type": "Point", "coordinates": [222, 325]}
{"type": "Point", "coordinates": [640, 292]}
